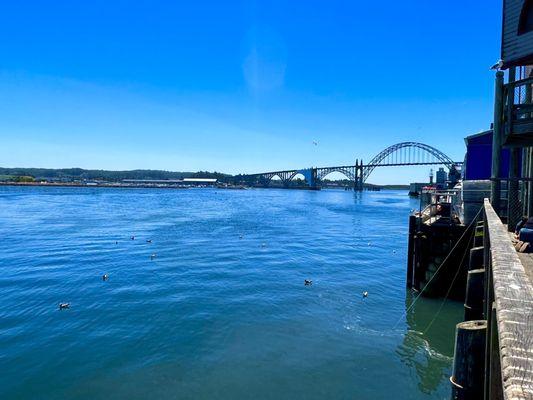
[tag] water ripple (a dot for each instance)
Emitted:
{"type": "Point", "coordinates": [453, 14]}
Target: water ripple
{"type": "Point", "coordinates": [208, 301]}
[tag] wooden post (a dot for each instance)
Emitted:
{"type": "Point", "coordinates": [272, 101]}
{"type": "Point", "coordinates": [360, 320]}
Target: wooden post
{"type": "Point", "coordinates": [525, 185]}
{"type": "Point", "coordinates": [513, 202]}
{"type": "Point", "coordinates": [526, 172]}
{"type": "Point", "coordinates": [475, 286]}
{"type": "Point", "coordinates": [410, 251]}
{"type": "Point", "coordinates": [497, 133]}
{"type": "Point", "coordinates": [529, 174]}
{"type": "Point", "coordinates": [469, 361]}
{"type": "Point", "coordinates": [514, 211]}
{"type": "Point", "coordinates": [530, 184]}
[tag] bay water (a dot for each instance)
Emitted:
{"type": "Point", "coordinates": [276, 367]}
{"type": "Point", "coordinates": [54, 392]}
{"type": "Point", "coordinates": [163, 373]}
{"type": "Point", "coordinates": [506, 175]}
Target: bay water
{"type": "Point", "coordinates": [208, 300]}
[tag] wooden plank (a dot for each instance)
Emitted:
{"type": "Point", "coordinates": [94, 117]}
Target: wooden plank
{"type": "Point", "coordinates": [513, 296]}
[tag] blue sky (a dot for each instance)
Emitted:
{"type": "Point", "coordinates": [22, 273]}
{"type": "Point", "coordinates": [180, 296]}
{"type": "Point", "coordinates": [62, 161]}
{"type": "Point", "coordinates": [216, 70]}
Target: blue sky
{"type": "Point", "coordinates": [241, 86]}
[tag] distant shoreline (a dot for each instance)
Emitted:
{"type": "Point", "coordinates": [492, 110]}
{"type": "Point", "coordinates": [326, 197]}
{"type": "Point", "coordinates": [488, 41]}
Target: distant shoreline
{"type": "Point", "coordinates": [146, 186]}
{"type": "Point", "coordinates": [76, 185]}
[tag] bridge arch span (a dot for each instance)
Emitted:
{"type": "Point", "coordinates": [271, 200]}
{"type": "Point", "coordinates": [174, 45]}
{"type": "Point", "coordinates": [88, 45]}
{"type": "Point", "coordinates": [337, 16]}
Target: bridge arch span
{"type": "Point", "coordinates": [274, 176]}
{"type": "Point", "coordinates": [344, 171]}
{"type": "Point", "coordinates": [294, 174]}
{"type": "Point", "coordinates": [416, 153]}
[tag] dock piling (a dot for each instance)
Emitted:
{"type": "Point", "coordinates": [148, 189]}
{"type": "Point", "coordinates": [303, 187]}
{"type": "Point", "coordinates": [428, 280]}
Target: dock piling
{"type": "Point", "coordinates": [469, 360]}
{"type": "Point", "coordinates": [475, 260]}
{"type": "Point", "coordinates": [410, 251]}
{"type": "Point", "coordinates": [475, 287]}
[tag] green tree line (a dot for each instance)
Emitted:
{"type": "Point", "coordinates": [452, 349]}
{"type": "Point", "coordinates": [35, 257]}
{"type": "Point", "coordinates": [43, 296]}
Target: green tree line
{"type": "Point", "coordinates": [105, 175]}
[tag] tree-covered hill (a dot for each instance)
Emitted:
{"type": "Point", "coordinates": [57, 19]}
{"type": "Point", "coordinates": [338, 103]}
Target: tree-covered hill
{"type": "Point", "coordinates": [111, 176]}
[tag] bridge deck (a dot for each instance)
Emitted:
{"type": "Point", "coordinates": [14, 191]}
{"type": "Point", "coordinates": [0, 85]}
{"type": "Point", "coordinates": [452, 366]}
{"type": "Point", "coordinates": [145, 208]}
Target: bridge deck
{"type": "Point", "coordinates": [353, 166]}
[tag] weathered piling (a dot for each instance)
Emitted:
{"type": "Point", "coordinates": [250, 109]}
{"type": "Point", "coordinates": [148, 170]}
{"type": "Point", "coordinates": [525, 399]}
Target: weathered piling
{"type": "Point", "coordinates": [478, 237]}
{"type": "Point", "coordinates": [475, 260]}
{"type": "Point", "coordinates": [469, 360]}
{"type": "Point", "coordinates": [475, 288]}
{"type": "Point", "coordinates": [410, 251]}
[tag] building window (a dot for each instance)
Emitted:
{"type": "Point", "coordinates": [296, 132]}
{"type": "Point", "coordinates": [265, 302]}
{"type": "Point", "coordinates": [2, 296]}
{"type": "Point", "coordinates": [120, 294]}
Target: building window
{"type": "Point", "coordinates": [526, 18]}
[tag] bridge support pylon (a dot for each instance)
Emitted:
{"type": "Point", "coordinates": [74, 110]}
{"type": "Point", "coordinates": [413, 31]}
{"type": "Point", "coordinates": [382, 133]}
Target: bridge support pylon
{"type": "Point", "coordinates": [358, 184]}
{"type": "Point", "coordinates": [311, 177]}
{"type": "Point", "coordinates": [313, 183]}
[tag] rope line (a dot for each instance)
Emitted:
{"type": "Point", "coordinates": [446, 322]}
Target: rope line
{"type": "Point", "coordinates": [438, 269]}
{"type": "Point", "coordinates": [451, 286]}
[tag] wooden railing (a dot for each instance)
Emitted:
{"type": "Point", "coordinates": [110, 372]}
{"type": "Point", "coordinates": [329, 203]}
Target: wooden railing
{"type": "Point", "coordinates": [509, 313]}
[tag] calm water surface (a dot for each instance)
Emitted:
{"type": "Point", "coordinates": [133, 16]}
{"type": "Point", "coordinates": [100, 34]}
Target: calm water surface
{"type": "Point", "coordinates": [221, 312]}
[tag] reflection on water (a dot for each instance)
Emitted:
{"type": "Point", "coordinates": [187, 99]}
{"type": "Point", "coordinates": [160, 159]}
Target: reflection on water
{"type": "Point", "coordinates": [428, 344]}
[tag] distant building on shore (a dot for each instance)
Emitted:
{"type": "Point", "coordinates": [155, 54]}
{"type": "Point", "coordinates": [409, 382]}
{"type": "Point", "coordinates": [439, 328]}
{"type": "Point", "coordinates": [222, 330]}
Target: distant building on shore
{"type": "Point", "coordinates": [185, 182]}
{"type": "Point", "coordinates": [200, 181]}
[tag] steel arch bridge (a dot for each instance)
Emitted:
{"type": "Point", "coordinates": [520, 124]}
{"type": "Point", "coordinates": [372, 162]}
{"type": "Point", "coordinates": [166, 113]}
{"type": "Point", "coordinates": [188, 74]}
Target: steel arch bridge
{"type": "Point", "coordinates": [408, 153]}
{"type": "Point", "coordinates": [399, 154]}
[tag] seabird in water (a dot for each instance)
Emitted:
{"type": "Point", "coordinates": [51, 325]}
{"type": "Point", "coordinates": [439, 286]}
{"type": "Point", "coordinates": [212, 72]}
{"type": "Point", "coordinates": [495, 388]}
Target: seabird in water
{"type": "Point", "coordinates": [63, 306]}
{"type": "Point", "coordinates": [308, 282]}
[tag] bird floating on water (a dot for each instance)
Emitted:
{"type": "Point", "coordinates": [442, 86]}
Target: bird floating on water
{"type": "Point", "coordinates": [308, 282]}
{"type": "Point", "coordinates": [63, 306]}
{"type": "Point", "coordinates": [152, 256]}
{"type": "Point", "coordinates": [263, 244]}
{"type": "Point", "coordinates": [365, 294]}
{"type": "Point", "coordinates": [148, 240]}
{"type": "Point", "coordinates": [105, 277]}
{"type": "Point", "coordinates": [133, 238]}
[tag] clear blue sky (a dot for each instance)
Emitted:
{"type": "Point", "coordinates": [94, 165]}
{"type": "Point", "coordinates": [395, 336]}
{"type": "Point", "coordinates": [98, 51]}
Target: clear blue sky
{"type": "Point", "coordinates": [241, 86]}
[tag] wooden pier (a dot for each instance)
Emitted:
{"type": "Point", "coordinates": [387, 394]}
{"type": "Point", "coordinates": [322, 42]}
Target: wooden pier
{"type": "Point", "coordinates": [505, 329]}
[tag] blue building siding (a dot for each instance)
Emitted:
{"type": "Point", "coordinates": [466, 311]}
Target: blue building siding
{"type": "Point", "coordinates": [479, 157]}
